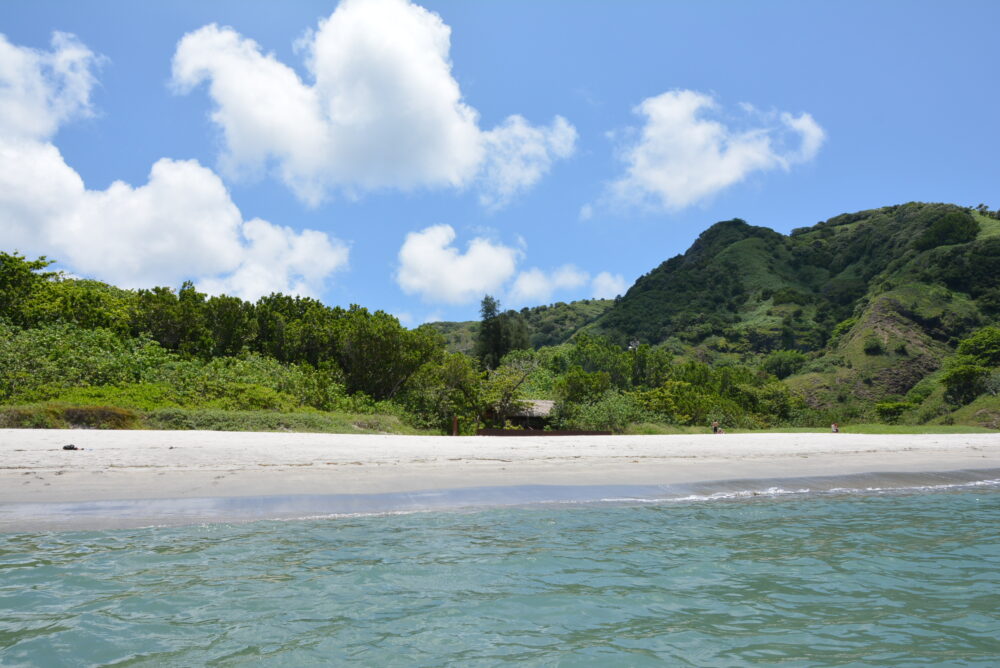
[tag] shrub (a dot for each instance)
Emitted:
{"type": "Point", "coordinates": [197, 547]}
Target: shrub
{"type": "Point", "coordinates": [890, 411]}
{"type": "Point", "coordinates": [100, 417]}
{"type": "Point", "coordinates": [58, 416]}
{"type": "Point", "coordinates": [873, 345]}
{"type": "Point", "coordinates": [612, 412]}
{"type": "Point", "coordinates": [784, 363]}
{"type": "Point", "coordinates": [841, 328]}
{"type": "Point", "coordinates": [216, 420]}
{"type": "Point", "coordinates": [964, 380]}
{"type": "Point", "coordinates": [984, 345]}
{"type": "Point", "coordinates": [951, 228]}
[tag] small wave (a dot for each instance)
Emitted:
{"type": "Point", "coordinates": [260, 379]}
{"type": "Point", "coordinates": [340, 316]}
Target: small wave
{"type": "Point", "coordinates": [915, 488]}
{"type": "Point", "coordinates": [716, 496]}
{"type": "Point", "coordinates": [772, 492]}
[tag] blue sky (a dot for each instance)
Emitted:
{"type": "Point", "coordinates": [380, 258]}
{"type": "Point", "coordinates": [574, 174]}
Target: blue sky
{"type": "Point", "coordinates": [410, 157]}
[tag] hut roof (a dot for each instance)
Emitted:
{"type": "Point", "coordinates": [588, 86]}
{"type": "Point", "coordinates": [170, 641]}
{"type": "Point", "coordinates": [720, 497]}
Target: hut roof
{"type": "Point", "coordinates": [536, 408]}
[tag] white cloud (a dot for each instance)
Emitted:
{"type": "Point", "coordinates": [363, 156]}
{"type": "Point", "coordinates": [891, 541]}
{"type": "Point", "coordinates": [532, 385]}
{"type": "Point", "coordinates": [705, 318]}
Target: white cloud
{"type": "Point", "coordinates": [39, 90]}
{"type": "Point", "coordinates": [278, 259]}
{"type": "Point", "coordinates": [182, 224]}
{"type": "Point", "coordinates": [382, 111]}
{"type": "Point", "coordinates": [681, 157]}
{"type": "Point", "coordinates": [430, 266]}
{"type": "Point", "coordinates": [535, 286]}
{"type": "Point", "coordinates": [519, 154]}
{"type": "Point", "coordinates": [607, 285]}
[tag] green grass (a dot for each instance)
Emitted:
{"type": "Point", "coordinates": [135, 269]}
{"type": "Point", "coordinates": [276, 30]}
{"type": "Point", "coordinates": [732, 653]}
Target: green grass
{"type": "Point", "coordinates": [51, 415]}
{"type": "Point", "coordinates": [649, 428]}
{"type": "Point", "coordinates": [988, 227]}
{"type": "Point", "coordinates": [314, 422]}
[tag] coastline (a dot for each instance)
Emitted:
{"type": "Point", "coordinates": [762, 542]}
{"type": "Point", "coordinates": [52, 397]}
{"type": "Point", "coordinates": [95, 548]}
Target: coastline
{"type": "Point", "coordinates": [133, 465]}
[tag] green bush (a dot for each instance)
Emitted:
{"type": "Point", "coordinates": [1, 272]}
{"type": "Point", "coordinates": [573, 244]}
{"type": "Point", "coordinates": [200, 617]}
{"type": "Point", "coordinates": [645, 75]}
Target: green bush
{"type": "Point", "coordinates": [784, 363]}
{"type": "Point", "coordinates": [68, 356]}
{"type": "Point", "coordinates": [218, 420]}
{"type": "Point", "coordinates": [612, 412]}
{"type": "Point", "coordinates": [891, 411]}
{"type": "Point", "coordinates": [59, 416]}
{"type": "Point", "coordinates": [984, 346]}
{"type": "Point", "coordinates": [842, 328]}
{"type": "Point", "coordinates": [964, 380]}
{"type": "Point", "coordinates": [873, 345]}
{"type": "Point", "coordinates": [951, 228]}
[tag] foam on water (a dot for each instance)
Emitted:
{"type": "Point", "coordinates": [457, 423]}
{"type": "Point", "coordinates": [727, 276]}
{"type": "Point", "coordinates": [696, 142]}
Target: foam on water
{"type": "Point", "coordinates": [176, 512]}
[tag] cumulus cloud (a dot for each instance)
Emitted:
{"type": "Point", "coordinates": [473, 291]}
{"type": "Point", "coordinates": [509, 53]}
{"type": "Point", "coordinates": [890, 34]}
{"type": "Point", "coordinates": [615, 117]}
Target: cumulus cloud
{"type": "Point", "coordinates": [519, 154]}
{"type": "Point", "coordinates": [433, 267]}
{"type": "Point", "coordinates": [535, 286]}
{"type": "Point", "coordinates": [42, 89]}
{"type": "Point", "coordinates": [430, 266]}
{"type": "Point", "coordinates": [681, 156]}
{"type": "Point", "coordinates": [181, 224]}
{"type": "Point", "coordinates": [382, 109]}
{"type": "Point", "coordinates": [608, 286]}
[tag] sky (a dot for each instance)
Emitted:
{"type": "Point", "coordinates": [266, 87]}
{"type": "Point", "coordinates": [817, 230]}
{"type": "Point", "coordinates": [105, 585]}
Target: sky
{"type": "Point", "coordinates": [414, 157]}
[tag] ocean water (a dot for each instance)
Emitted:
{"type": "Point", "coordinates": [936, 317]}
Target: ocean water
{"type": "Point", "coordinates": [807, 576]}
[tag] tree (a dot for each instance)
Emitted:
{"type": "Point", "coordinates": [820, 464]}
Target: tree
{"type": "Point", "coordinates": [578, 386]}
{"type": "Point", "coordinates": [499, 333]}
{"type": "Point", "coordinates": [984, 345]}
{"type": "Point", "coordinates": [378, 355]}
{"type": "Point", "coordinates": [891, 411]}
{"type": "Point", "coordinates": [502, 389]}
{"type": "Point", "coordinates": [19, 279]}
{"type": "Point", "coordinates": [232, 324]}
{"type": "Point", "coordinates": [964, 380]}
{"type": "Point", "coordinates": [784, 363]}
{"type": "Point", "coordinates": [951, 228]}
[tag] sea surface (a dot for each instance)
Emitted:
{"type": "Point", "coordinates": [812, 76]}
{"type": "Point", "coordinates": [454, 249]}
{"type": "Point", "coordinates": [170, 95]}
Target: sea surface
{"type": "Point", "coordinates": [824, 575]}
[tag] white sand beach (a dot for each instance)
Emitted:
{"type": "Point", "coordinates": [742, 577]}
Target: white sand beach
{"type": "Point", "coordinates": [187, 464]}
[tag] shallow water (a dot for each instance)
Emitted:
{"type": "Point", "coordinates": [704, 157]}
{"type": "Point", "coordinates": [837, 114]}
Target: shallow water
{"type": "Point", "coordinates": [838, 577]}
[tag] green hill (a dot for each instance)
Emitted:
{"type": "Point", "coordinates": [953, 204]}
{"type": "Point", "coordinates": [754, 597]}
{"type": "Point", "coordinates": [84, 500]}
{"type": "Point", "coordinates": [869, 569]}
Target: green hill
{"type": "Point", "coordinates": [863, 308]}
{"type": "Point", "coordinates": [876, 300]}
{"type": "Point", "coordinates": [547, 325]}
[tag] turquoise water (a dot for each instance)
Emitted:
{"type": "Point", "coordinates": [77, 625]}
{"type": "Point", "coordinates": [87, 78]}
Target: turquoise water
{"type": "Point", "coordinates": [859, 578]}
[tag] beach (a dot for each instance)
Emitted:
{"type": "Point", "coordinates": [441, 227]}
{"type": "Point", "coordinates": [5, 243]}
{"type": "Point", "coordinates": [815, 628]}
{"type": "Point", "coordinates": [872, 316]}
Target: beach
{"type": "Point", "coordinates": [122, 465]}
{"type": "Point", "coordinates": [301, 549]}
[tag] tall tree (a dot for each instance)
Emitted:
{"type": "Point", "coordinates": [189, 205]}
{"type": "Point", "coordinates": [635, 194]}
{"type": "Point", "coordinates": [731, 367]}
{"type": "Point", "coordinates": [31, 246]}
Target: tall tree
{"type": "Point", "coordinates": [499, 333]}
{"type": "Point", "coordinates": [19, 278]}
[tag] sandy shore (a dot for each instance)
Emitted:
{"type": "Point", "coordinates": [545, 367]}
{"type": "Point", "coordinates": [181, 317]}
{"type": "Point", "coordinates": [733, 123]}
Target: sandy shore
{"type": "Point", "coordinates": [177, 464]}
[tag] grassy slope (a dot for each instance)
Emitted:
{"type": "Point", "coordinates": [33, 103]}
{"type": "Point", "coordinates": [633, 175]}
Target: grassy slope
{"type": "Point", "coordinates": [459, 337]}
{"type": "Point", "coordinates": [863, 265]}
{"type": "Point", "coordinates": [548, 325]}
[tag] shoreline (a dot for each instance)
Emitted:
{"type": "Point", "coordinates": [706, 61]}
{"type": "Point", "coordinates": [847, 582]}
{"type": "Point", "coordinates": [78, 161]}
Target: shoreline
{"type": "Point", "coordinates": [164, 513]}
{"type": "Point", "coordinates": [131, 465]}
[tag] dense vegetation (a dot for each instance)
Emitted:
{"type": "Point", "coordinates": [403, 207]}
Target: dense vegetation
{"type": "Point", "coordinates": [546, 325]}
{"type": "Point", "coordinates": [887, 315]}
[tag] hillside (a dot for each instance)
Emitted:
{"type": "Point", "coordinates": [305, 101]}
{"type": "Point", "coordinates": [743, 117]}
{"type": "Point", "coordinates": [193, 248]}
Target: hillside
{"type": "Point", "coordinates": [867, 306]}
{"type": "Point", "coordinates": [547, 325]}
{"type": "Point", "coordinates": [877, 299]}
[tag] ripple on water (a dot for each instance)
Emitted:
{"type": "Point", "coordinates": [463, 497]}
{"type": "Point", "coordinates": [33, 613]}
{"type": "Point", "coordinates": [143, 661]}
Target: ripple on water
{"type": "Point", "coordinates": [827, 580]}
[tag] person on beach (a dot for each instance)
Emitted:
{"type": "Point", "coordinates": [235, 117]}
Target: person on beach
{"type": "Point", "coordinates": [715, 427]}
{"type": "Point", "coordinates": [835, 428]}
